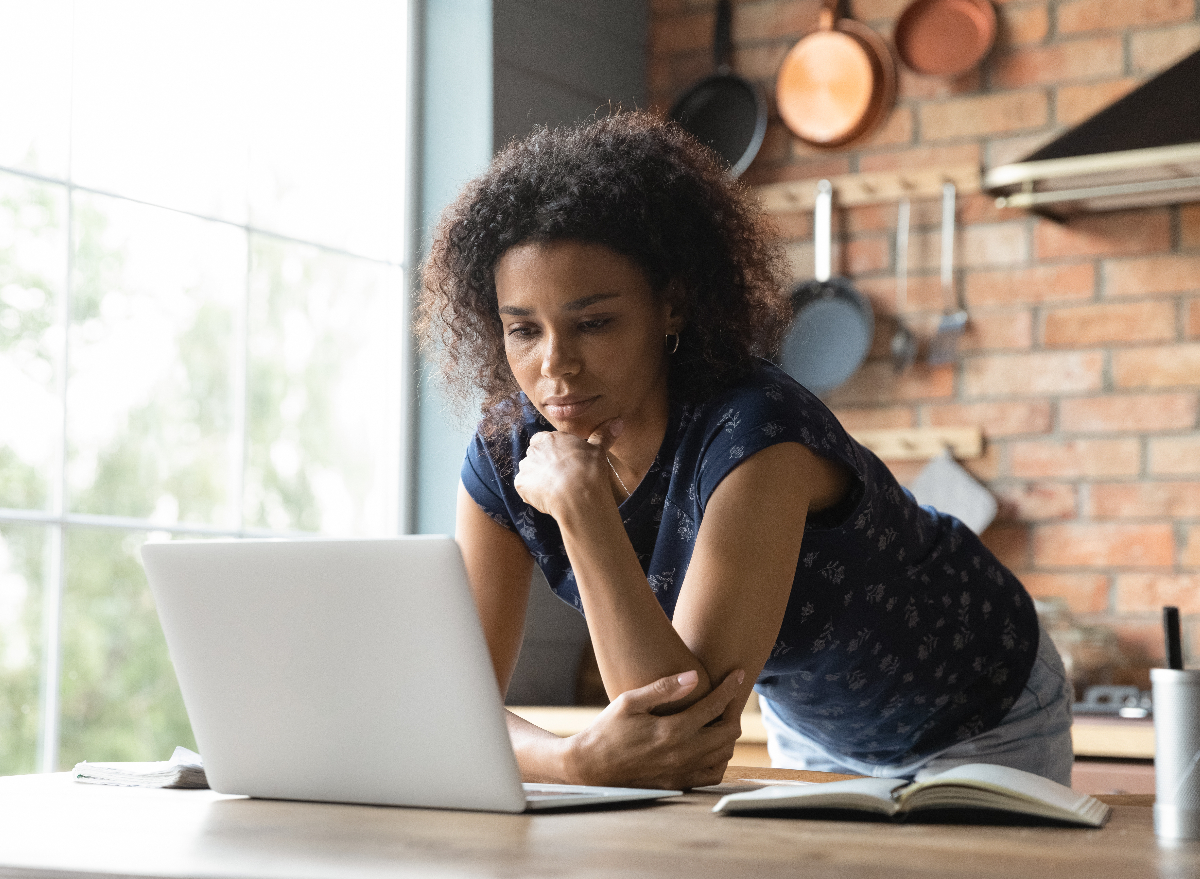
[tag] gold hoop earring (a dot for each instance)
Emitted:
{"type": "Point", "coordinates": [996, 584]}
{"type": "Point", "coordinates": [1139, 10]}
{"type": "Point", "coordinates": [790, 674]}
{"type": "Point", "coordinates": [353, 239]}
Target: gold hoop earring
{"type": "Point", "coordinates": [672, 348]}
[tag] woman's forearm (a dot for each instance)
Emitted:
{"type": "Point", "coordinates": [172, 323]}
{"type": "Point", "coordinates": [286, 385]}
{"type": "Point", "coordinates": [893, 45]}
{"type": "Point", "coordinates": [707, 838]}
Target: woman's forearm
{"type": "Point", "coordinates": [634, 640]}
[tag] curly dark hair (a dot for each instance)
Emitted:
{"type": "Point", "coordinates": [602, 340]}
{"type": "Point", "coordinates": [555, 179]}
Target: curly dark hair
{"type": "Point", "coordinates": [646, 189]}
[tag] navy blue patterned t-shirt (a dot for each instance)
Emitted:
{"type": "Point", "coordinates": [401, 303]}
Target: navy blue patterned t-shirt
{"type": "Point", "coordinates": [903, 633]}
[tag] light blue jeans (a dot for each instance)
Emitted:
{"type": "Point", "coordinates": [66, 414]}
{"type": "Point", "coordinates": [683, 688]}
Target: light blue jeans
{"type": "Point", "coordinates": [1035, 735]}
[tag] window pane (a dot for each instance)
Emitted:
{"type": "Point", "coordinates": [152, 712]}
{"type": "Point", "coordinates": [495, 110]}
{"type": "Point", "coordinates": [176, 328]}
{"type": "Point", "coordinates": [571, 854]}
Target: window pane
{"type": "Point", "coordinates": [327, 124]}
{"type": "Point", "coordinates": [35, 85]}
{"type": "Point", "coordinates": [32, 272]}
{"type": "Point", "coordinates": [157, 110]}
{"type": "Point", "coordinates": [154, 349]}
{"type": "Point", "coordinates": [22, 578]}
{"type": "Point", "coordinates": [249, 112]}
{"type": "Point", "coordinates": [323, 359]}
{"type": "Point", "coordinates": [120, 699]}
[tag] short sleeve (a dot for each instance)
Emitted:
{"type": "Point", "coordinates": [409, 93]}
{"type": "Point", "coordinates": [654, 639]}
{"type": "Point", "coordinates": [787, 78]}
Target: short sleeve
{"type": "Point", "coordinates": [483, 483]}
{"type": "Point", "coordinates": [767, 414]}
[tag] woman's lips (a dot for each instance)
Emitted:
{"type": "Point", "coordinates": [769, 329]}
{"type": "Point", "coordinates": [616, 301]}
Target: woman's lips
{"type": "Point", "coordinates": [566, 408]}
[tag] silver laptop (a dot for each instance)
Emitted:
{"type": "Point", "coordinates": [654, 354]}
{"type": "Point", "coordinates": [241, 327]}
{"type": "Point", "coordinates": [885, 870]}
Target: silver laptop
{"type": "Point", "coordinates": [351, 671]}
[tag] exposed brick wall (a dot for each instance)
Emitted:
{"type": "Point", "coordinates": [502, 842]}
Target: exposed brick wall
{"type": "Point", "coordinates": [1082, 361]}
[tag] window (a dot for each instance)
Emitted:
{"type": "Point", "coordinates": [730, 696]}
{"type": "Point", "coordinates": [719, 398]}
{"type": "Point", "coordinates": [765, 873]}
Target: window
{"type": "Point", "coordinates": [201, 320]}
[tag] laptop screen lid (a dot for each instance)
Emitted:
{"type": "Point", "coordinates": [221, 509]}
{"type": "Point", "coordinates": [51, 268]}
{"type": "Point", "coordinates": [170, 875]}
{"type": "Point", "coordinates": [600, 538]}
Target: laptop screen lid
{"type": "Point", "coordinates": [336, 670]}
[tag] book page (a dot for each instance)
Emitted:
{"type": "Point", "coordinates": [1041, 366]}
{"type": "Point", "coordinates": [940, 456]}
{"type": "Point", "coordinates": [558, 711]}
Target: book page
{"type": "Point", "coordinates": [860, 794]}
{"type": "Point", "coordinates": [983, 785]}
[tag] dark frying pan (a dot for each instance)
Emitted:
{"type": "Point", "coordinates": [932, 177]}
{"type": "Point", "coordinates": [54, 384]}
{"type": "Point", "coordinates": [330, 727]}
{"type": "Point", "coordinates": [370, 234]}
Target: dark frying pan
{"type": "Point", "coordinates": [724, 111]}
{"type": "Point", "coordinates": [832, 323]}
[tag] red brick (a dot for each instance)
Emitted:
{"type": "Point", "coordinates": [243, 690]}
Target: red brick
{"type": "Point", "coordinates": [996, 244]}
{"type": "Point", "coordinates": [863, 255]}
{"type": "Point", "coordinates": [1037, 501]}
{"type": "Point", "coordinates": [1075, 103]}
{"type": "Point", "coordinates": [759, 64]}
{"type": "Point", "coordinates": [1106, 234]}
{"type": "Point", "coordinates": [1189, 225]}
{"type": "Point", "coordinates": [1076, 16]}
{"type": "Point", "coordinates": [1151, 276]}
{"type": "Point", "coordinates": [985, 468]}
{"type": "Point", "coordinates": [996, 419]}
{"type": "Point", "coordinates": [1084, 593]}
{"type": "Point", "coordinates": [810, 166]}
{"type": "Point", "coordinates": [1144, 500]}
{"type": "Point", "coordinates": [1074, 459]}
{"type": "Point", "coordinates": [982, 115]}
{"type": "Point", "coordinates": [1191, 549]}
{"type": "Point", "coordinates": [923, 156]}
{"type": "Point", "coordinates": [1002, 150]}
{"type": "Point", "coordinates": [1192, 322]}
{"type": "Point", "coordinates": [1025, 66]}
{"type": "Point", "coordinates": [1031, 285]}
{"type": "Point", "coordinates": [1011, 543]}
{"type": "Point", "coordinates": [1163, 366]}
{"type": "Point", "coordinates": [878, 383]}
{"type": "Point", "coordinates": [897, 129]}
{"type": "Point", "coordinates": [1175, 455]}
{"type": "Point", "coordinates": [981, 208]}
{"type": "Point", "coordinates": [916, 87]}
{"type": "Point", "coordinates": [1153, 50]}
{"type": "Point", "coordinates": [773, 21]}
{"type": "Point", "coordinates": [870, 218]}
{"type": "Point", "coordinates": [1088, 325]}
{"type": "Point", "coordinates": [1026, 23]}
{"type": "Point", "coordinates": [1142, 642]}
{"type": "Point", "coordinates": [878, 418]}
{"type": "Point", "coordinates": [923, 298]}
{"type": "Point", "coordinates": [879, 10]}
{"type": "Point", "coordinates": [1128, 413]}
{"type": "Point", "coordinates": [776, 147]}
{"type": "Point", "coordinates": [1032, 375]}
{"type": "Point", "coordinates": [1151, 592]}
{"type": "Point", "coordinates": [1007, 330]}
{"type": "Point", "coordinates": [793, 226]}
{"type": "Point", "coordinates": [680, 34]}
{"type": "Point", "coordinates": [1104, 545]}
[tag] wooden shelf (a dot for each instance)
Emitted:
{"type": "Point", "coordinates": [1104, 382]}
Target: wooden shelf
{"type": "Point", "coordinates": [872, 188]}
{"type": "Point", "coordinates": [923, 443]}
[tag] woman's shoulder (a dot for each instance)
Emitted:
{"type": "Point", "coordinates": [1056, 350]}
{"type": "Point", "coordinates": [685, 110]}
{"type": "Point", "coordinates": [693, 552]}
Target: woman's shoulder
{"type": "Point", "coordinates": [768, 396]}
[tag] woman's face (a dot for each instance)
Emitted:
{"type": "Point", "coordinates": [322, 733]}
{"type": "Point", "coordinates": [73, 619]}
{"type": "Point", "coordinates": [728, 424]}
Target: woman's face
{"type": "Point", "coordinates": [584, 336]}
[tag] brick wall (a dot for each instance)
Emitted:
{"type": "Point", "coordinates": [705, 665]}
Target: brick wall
{"type": "Point", "coordinates": [1082, 361]}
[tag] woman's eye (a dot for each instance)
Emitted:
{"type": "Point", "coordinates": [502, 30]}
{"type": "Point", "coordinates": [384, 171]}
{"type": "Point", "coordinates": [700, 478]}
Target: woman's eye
{"type": "Point", "coordinates": [594, 324]}
{"type": "Point", "coordinates": [521, 332]}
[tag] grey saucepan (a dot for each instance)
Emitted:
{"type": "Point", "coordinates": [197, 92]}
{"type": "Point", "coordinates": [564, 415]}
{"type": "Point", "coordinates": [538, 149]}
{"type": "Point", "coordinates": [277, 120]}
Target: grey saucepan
{"type": "Point", "coordinates": [832, 322]}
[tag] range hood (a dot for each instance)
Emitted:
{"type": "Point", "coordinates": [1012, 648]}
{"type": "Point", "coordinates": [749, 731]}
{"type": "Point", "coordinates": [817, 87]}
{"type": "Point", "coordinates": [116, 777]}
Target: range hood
{"type": "Point", "coordinates": [1142, 150]}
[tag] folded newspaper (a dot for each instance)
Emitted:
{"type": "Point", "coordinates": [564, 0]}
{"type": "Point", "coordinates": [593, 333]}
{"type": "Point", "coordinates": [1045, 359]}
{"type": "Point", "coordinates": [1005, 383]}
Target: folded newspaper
{"type": "Point", "coordinates": [184, 769]}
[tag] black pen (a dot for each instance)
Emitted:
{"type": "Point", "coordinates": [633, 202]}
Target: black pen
{"type": "Point", "coordinates": [1174, 640]}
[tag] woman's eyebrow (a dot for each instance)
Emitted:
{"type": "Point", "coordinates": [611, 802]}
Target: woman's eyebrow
{"type": "Point", "coordinates": [574, 305]}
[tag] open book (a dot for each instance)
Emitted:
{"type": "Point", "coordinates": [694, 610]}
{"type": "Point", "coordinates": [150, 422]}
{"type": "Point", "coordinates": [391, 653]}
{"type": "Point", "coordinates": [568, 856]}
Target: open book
{"type": "Point", "coordinates": [184, 769]}
{"type": "Point", "coordinates": [952, 795]}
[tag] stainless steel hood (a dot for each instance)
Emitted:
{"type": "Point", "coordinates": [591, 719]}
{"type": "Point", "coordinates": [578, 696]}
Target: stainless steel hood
{"type": "Point", "coordinates": [1142, 150]}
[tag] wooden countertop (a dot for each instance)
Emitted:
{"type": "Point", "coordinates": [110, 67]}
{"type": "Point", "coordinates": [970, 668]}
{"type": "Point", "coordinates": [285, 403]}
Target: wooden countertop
{"type": "Point", "coordinates": [55, 827]}
{"type": "Point", "coordinates": [1110, 737]}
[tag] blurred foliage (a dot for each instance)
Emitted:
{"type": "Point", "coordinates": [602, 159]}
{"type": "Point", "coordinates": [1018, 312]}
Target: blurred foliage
{"type": "Point", "coordinates": [23, 551]}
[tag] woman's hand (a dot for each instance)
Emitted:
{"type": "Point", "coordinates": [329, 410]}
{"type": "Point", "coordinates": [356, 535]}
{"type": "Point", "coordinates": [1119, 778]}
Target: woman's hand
{"type": "Point", "coordinates": [559, 468]}
{"type": "Point", "coordinates": [630, 746]}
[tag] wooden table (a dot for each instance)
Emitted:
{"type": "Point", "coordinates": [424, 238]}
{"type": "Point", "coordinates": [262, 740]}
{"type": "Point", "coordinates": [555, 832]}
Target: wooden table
{"type": "Point", "coordinates": [51, 826]}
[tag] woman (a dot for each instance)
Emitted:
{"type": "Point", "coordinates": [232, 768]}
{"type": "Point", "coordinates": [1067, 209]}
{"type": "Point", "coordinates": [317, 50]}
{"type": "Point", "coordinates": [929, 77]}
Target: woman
{"type": "Point", "coordinates": [611, 292]}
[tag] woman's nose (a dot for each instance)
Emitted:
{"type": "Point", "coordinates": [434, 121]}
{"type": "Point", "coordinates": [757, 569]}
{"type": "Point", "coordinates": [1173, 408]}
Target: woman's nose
{"type": "Point", "coordinates": [559, 357]}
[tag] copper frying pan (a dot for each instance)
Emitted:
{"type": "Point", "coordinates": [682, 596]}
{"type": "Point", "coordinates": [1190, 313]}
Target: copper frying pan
{"type": "Point", "coordinates": [837, 83]}
{"type": "Point", "coordinates": [945, 37]}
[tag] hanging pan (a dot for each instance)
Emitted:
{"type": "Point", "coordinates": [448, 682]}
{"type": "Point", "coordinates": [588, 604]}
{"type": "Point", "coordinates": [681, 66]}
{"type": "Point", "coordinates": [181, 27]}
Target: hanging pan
{"type": "Point", "coordinates": [832, 323]}
{"type": "Point", "coordinates": [945, 37]}
{"type": "Point", "coordinates": [837, 83]}
{"type": "Point", "coordinates": [724, 111]}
